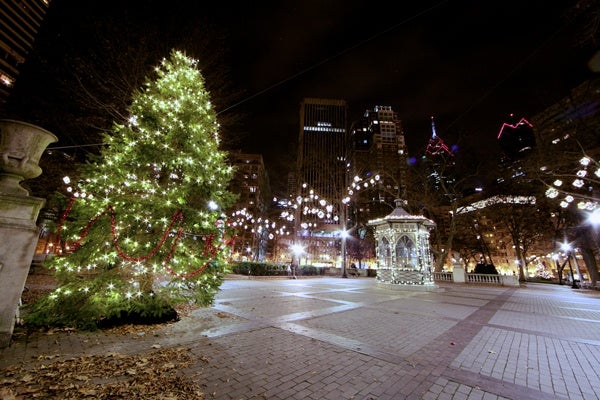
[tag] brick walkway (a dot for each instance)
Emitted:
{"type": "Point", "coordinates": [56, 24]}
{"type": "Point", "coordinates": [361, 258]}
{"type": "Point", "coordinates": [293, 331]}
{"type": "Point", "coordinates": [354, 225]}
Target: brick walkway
{"type": "Point", "coordinates": [334, 338]}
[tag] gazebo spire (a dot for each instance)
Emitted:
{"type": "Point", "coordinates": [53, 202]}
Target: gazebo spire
{"type": "Point", "coordinates": [436, 145]}
{"type": "Point", "coordinates": [400, 203]}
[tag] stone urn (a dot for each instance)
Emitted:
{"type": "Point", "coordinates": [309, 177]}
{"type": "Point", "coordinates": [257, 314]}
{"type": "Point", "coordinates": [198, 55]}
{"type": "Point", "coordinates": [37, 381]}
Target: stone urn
{"type": "Point", "coordinates": [21, 146]}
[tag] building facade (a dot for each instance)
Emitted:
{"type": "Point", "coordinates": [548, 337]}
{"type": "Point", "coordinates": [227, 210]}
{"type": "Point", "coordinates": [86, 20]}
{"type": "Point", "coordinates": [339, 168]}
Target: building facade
{"type": "Point", "coordinates": [321, 176]}
{"type": "Point", "coordinates": [251, 183]}
{"type": "Point", "coordinates": [379, 148]}
{"type": "Point", "coordinates": [20, 21]}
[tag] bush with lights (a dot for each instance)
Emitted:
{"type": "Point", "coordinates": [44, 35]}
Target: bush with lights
{"type": "Point", "coordinates": [140, 236]}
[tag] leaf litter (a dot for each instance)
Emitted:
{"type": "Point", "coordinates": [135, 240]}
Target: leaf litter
{"type": "Point", "coordinates": [152, 375]}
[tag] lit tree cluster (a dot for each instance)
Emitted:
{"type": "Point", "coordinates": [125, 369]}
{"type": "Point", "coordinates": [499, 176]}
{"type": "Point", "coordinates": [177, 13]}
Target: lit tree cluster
{"type": "Point", "coordinates": [577, 186]}
{"type": "Point", "coordinates": [308, 203]}
{"type": "Point", "coordinates": [359, 184]}
{"type": "Point", "coordinates": [245, 220]}
{"type": "Point", "coordinates": [141, 233]}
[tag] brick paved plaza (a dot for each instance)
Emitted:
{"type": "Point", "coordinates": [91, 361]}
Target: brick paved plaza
{"type": "Point", "coordinates": [334, 338]}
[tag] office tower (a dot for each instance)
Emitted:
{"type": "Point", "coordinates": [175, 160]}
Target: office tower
{"type": "Point", "coordinates": [378, 148]}
{"type": "Point", "coordinates": [322, 152]}
{"type": "Point", "coordinates": [20, 21]}
{"type": "Point", "coordinates": [321, 174]}
{"type": "Point", "coordinates": [439, 161]}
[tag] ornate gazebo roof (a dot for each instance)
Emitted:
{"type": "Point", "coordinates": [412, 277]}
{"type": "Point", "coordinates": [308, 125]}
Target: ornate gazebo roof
{"type": "Point", "coordinates": [400, 215]}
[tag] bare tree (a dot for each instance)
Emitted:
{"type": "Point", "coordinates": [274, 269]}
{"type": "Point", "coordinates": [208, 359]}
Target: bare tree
{"type": "Point", "coordinates": [79, 92]}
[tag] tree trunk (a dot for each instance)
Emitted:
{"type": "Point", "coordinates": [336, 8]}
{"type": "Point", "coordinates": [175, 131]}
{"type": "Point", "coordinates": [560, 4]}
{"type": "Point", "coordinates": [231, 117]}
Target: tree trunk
{"type": "Point", "coordinates": [588, 256]}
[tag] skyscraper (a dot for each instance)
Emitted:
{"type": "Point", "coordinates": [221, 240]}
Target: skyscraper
{"type": "Point", "coordinates": [321, 174]}
{"type": "Point", "coordinates": [20, 20]}
{"type": "Point", "coordinates": [378, 147]}
{"type": "Point", "coordinates": [323, 151]}
{"type": "Point", "coordinates": [439, 160]}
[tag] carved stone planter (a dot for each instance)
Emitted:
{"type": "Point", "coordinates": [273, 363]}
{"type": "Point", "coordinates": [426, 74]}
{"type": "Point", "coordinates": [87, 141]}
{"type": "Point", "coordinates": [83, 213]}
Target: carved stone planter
{"type": "Point", "coordinates": [21, 146]}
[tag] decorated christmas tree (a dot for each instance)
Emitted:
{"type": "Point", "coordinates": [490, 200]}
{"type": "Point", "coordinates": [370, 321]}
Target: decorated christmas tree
{"type": "Point", "coordinates": [143, 231]}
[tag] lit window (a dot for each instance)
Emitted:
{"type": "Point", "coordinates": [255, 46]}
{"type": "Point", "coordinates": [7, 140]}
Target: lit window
{"type": "Point", "coordinates": [6, 80]}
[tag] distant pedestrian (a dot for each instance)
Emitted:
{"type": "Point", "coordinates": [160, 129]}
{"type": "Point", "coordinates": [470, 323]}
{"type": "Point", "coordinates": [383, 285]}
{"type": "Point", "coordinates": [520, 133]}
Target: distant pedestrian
{"type": "Point", "coordinates": [293, 267]}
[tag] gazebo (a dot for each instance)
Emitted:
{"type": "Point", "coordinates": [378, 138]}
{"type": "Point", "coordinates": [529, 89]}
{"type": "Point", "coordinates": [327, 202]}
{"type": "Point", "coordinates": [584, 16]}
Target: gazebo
{"type": "Point", "coordinates": [402, 249]}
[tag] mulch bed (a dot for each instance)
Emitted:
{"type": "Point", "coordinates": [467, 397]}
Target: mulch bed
{"type": "Point", "coordinates": [155, 374]}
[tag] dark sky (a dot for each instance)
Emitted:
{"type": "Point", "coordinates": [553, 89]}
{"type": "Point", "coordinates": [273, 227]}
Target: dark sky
{"type": "Point", "coordinates": [468, 63]}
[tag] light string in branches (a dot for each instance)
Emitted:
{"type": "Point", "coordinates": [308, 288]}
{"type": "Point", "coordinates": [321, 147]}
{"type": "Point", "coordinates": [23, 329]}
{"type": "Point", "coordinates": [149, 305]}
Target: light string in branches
{"type": "Point", "coordinates": [209, 250]}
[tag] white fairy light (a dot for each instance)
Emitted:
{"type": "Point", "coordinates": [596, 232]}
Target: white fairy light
{"type": "Point", "coordinates": [551, 193]}
{"type": "Point", "coordinates": [578, 183]}
{"type": "Point", "coordinates": [585, 161]}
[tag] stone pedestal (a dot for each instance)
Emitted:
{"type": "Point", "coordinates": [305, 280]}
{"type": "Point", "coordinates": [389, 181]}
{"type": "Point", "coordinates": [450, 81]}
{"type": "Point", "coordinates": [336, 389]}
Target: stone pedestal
{"type": "Point", "coordinates": [18, 238]}
{"type": "Point", "coordinates": [459, 275]}
{"type": "Point", "coordinates": [509, 280]}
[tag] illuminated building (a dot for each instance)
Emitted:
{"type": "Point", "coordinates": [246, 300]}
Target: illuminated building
{"type": "Point", "coordinates": [439, 160]}
{"type": "Point", "coordinates": [516, 138]}
{"type": "Point", "coordinates": [20, 21]}
{"type": "Point", "coordinates": [379, 148]}
{"type": "Point", "coordinates": [251, 183]}
{"type": "Point", "coordinates": [321, 171]}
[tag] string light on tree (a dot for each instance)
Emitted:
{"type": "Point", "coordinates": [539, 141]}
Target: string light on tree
{"type": "Point", "coordinates": [141, 226]}
{"type": "Point", "coordinates": [583, 181]}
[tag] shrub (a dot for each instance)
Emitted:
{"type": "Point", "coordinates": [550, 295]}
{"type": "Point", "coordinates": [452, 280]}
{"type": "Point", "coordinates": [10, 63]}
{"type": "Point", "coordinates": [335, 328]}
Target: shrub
{"type": "Point", "coordinates": [486, 269]}
{"type": "Point", "coordinates": [259, 269]}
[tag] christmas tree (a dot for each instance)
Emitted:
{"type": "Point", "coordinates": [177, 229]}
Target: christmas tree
{"type": "Point", "coordinates": [143, 232]}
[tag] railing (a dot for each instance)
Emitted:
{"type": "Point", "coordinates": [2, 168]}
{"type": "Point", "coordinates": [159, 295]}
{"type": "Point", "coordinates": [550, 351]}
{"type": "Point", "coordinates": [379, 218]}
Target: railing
{"type": "Point", "coordinates": [486, 279]}
{"type": "Point", "coordinates": [443, 276]}
{"type": "Point", "coordinates": [483, 278]}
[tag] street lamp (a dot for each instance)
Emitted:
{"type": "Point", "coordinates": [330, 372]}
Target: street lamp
{"type": "Point", "coordinates": [594, 217]}
{"type": "Point", "coordinates": [555, 258]}
{"type": "Point", "coordinates": [568, 249]}
{"type": "Point", "coordinates": [344, 235]}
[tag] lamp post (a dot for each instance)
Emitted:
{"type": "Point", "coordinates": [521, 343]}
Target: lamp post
{"type": "Point", "coordinates": [344, 236]}
{"type": "Point", "coordinates": [568, 249]}
{"type": "Point", "coordinates": [558, 267]}
{"type": "Point", "coordinates": [577, 268]}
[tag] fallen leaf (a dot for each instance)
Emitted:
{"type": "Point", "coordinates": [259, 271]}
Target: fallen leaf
{"type": "Point", "coordinates": [7, 394]}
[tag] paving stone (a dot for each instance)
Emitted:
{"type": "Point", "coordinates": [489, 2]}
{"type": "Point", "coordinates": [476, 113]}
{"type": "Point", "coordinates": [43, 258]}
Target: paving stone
{"type": "Point", "coordinates": [334, 338]}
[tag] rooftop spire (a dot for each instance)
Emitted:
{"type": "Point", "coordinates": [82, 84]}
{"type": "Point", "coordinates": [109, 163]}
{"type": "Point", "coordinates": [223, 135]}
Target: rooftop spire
{"type": "Point", "coordinates": [436, 145]}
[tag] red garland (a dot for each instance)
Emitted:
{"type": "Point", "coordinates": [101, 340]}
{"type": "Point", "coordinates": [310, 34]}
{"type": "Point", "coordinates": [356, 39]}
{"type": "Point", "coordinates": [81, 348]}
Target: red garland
{"type": "Point", "coordinates": [209, 248]}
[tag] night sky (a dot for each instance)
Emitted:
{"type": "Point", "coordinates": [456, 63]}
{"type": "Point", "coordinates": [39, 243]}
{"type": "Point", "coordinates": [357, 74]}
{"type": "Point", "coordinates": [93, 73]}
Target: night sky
{"type": "Point", "coordinates": [468, 63]}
